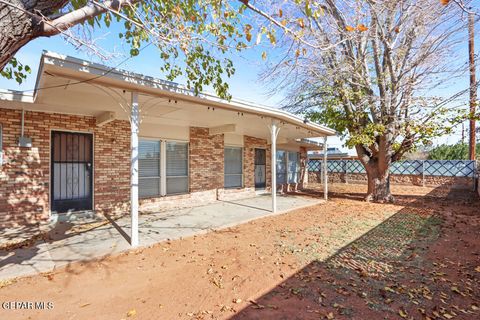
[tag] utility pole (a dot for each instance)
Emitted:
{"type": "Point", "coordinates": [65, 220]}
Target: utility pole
{"type": "Point", "coordinates": [473, 84]}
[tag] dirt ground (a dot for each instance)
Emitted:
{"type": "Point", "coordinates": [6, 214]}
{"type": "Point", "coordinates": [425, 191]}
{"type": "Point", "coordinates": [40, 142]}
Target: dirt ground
{"type": "Point", "coordinates": [415, 259]}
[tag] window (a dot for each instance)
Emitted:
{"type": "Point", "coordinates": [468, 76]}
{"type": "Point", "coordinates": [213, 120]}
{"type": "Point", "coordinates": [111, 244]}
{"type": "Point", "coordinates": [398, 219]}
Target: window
{"type": "Point", "coordinates": [149, 168]}
{"type": "Point", "coordinates": [293, 167]}
{"type": "Point", "coordinates": [233, 177]}
{"type": "Point", "coordinates": [163, 168]}
{"type": "Point", "coordinates": [177, 167]}
{"type": "Point", "coordinates": [281, 167]}
{"type": "Point", "coordinates": [288, 167]}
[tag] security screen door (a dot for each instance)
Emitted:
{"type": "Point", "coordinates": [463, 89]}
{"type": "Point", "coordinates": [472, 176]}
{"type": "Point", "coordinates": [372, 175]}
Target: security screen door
{"type": "Point", "coordinates": [71, 168]}
{"type": "Point", "coordinates": [260, 168]}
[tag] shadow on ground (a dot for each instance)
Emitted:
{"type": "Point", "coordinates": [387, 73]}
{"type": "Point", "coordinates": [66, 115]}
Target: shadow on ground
{"type": "Point", "coordinates": [400, 269]}
{"type": "Point", "coordinates": [33, 248]}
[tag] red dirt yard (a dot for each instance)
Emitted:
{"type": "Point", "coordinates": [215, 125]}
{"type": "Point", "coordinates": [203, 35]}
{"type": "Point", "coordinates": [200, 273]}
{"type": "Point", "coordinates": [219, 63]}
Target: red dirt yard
{"type": "Point", "coordinates": [347, 259]}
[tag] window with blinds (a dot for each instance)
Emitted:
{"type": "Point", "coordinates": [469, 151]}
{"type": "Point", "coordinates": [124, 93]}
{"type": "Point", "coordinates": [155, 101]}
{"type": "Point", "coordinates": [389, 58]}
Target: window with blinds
{"type": "Point", "coordinates": [149, 168]}
{"type": "Point", "coordinates": [288, 167]}
{"type": "Point", "coordinates": [177, 167]}
{"type": "Point", "coordinates": [163, 168]}
{"type": "Point", "coordinates": [293, 167]}
{"type": "Point", "coordinates": [233, 170]}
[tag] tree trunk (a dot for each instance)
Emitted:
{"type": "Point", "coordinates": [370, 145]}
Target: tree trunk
{"type": "Point", "coordinates": [22, 21]}
{"type": "Point", "coordinates": [378, 184]}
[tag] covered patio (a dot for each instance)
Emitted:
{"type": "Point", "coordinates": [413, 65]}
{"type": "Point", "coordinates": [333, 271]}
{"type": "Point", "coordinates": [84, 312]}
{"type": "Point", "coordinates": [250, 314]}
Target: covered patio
{"type": "Point", "coordinates": [91, 121]}
{"type": "Point", "coordinates": [75, 238]}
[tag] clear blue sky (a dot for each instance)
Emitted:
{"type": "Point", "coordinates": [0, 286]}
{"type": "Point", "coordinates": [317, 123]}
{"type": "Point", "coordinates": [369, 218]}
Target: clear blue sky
{"type": "Point", "coordinates": [243, 85]}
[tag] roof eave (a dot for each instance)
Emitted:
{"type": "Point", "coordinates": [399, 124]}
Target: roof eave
{"type": "Point", "coordinates": [143, 81]}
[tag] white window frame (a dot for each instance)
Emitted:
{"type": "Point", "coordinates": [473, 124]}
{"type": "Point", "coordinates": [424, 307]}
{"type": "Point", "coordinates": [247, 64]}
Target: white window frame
{"type": "Point", "coordinates": [160, 178]}
{"type": "Point", "coordinates": [234, 174]}
{"type": "Point", "coordinates": [163, 167]}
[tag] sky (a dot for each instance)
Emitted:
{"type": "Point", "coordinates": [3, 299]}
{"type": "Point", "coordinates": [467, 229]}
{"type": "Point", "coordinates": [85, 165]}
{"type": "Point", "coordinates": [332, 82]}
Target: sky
{"type": "Point", "coordinates": [244, 84]}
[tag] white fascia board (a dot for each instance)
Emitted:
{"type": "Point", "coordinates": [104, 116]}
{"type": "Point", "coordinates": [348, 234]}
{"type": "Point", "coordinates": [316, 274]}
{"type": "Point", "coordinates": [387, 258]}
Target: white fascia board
{"type": "Point", "coordinates": [17, 96]}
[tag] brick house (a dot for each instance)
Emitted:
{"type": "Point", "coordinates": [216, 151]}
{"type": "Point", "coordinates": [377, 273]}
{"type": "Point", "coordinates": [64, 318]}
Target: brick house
{"type": "Point", "coordinates": [112, 141]}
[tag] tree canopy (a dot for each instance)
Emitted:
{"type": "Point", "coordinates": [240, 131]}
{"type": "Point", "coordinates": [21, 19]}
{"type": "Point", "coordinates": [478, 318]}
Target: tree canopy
{"type": "Point", "coordinates": [192, 36]}
{"type": "Point", "coordinates": [369, 69]}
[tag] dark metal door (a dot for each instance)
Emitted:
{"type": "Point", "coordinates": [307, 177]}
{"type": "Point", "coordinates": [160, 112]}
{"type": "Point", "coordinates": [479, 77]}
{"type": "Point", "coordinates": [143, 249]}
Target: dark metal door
{"type": "Point", "coordinates": [71, 171]}
{"type": "Point", "coordinates": [260, 168]}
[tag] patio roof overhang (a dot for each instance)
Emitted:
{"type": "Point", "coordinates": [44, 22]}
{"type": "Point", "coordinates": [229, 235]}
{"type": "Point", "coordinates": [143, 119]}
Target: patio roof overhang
{"type": "Point", "coordinates": [74, 86]}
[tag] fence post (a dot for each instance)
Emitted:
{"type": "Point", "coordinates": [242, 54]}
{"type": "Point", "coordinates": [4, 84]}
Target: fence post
{"type": "Point", "coordinates": [346, 171]}
{"type": "Point", "coordinates": [423, 173]}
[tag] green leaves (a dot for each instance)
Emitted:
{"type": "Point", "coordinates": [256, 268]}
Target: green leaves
{"type": "Point", "coordinates": [192, 37]}
{"type": "Point", "coordinates": [457, 151]}
{"type": "Point", "coordinates": [366, 135]}
{"type": "Point", "coordinates": [16, 70]}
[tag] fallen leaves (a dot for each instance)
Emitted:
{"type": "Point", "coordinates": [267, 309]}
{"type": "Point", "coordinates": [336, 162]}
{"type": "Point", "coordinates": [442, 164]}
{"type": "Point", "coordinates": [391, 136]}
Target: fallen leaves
{"type": "Point", "coordinates": [131, 313]}
{"type": "Point", "coordinates": [343, 259]}
{"type": "Point", "coordinates": [218, 282]}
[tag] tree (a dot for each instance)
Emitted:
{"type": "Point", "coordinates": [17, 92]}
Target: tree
{"type": "Point", "coordinates": [196, 32]}
{"type": "Point", "coordinates": [366, 68]}
{"type": "Point", "coordinates": [361, 67]}
{"type": "Point", "coordinates": [457, 151]}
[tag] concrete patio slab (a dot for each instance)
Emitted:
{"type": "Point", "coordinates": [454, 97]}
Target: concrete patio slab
{"type": "Point", "coordinates": [66, 246]}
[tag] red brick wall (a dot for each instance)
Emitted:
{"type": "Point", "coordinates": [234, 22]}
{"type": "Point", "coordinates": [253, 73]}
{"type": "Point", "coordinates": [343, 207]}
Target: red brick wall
{"type": "Point", "coordinates": [112, 167]}
{"type": "Point", "coordinates": [249, 145]}
{"type": "Point", "coordinates": [25, 174]}
{"type": "Point", "coordinates": [206, 160]}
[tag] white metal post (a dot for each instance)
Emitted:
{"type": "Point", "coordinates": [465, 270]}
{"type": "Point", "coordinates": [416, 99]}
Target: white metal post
{"type": "Point", "coordinates": [274, 129]}
{"type": "Point", "coordinates": [163, 168]}
{"type": "Point", "coordinates": [134, 130]}
{"type": "Point", "coordinates": [325, 167]}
